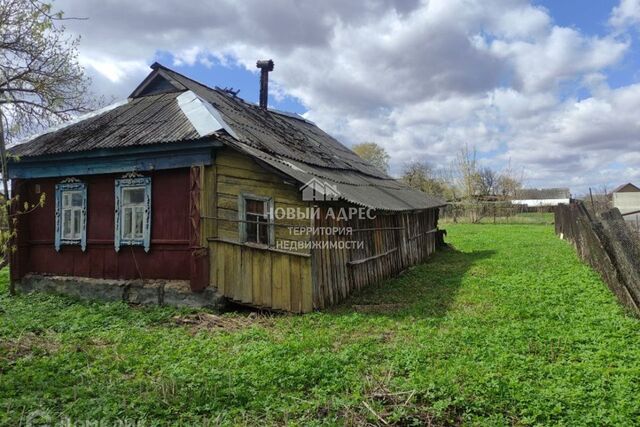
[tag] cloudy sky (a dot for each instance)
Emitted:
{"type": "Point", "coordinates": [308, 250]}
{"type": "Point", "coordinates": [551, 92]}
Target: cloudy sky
{"type": "Point", "coordinates": [551, 87]}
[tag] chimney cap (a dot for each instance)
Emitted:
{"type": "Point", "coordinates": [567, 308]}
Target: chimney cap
{"type": "Point", "coordinates": [265, 63]}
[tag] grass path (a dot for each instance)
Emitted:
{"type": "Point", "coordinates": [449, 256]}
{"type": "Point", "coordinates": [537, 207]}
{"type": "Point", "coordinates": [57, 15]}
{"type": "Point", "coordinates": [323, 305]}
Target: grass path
{"type": "Point", "coordinates": [508, 328]}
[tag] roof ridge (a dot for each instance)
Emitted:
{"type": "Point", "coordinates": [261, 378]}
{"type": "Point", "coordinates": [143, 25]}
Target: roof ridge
{"type": "Point", "coordinates": [156, 65]}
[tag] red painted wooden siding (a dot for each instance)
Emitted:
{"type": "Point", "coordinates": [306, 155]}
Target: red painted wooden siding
{"type": "Point", "coordinates": [170, 254]}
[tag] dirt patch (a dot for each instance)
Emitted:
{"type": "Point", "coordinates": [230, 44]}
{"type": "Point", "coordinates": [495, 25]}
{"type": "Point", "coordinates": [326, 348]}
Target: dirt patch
{"type": "Point", "coordinates": [212, 322]}
{"type": "Point", "coordinates": [382, 406]}
{"type": "Point", "coordinates": [29, 344]}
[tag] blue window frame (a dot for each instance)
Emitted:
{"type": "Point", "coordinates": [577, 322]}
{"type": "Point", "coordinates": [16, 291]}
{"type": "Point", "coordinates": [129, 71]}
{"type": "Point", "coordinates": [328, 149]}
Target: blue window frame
{"type": "Point", "coordinates": [133, 212]}
{"type": "Point", "coordinates": [71, 214]}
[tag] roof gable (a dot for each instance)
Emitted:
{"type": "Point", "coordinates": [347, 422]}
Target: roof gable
{"type": "Point", "coordinates": [627, 188]}
{"type": "Point", "coordinates": [157, 82]}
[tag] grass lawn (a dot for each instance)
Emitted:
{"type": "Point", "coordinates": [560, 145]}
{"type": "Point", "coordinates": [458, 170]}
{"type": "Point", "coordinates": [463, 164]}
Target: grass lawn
{"type": "Point", "coordinates": [507, 329]}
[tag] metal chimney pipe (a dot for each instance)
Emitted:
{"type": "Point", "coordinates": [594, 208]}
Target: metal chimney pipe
{"type": "Point", "coordinates": [265, 65]}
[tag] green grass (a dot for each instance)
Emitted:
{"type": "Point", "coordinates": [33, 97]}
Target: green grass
{"type": "Point", "coordinates": [507, 329]}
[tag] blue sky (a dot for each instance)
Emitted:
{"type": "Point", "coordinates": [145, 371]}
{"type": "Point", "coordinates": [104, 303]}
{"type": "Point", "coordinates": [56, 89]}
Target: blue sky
{"type": "Point", "coordinates": [588, 16]}
{"type": "Point", "coordinates": [231, 75]}
{"type": "Point", "coordinates": [548, 88]}
{"type": "Point", "coordinates": [591, 17]}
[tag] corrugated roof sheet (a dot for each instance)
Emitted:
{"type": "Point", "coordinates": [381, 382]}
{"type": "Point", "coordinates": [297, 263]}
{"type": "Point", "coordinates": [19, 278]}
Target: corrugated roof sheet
{"type": "Point", "coordinates": [276, 133]}
{"type": "Point", "coordinates": [364, 190]}
{"type": "Point", "coordinates": [293, 145]}
{"type": "Point", "coordinates": [141, 121]}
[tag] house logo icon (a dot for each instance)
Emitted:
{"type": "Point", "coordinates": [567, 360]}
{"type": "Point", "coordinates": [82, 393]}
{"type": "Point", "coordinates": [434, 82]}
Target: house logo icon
{"type": "Point", "coordinates": [317, 190]}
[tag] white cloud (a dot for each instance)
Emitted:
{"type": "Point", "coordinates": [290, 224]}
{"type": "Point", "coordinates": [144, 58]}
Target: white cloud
{"type": "Point", "coordinates": [421, 78]}
{"type": "Point", "coordinates": [112, 69]}
{"type": "Point", "coordinates": [626, 14]}
{"type": "Point", "coordinates": [563, 54]}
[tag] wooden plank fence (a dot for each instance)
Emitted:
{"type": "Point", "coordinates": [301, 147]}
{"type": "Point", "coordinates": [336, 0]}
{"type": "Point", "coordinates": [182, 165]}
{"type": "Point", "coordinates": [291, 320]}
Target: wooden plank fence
{"type": "Point", "coordinates": [390, 243]}
{"type": "Point", "coordinates": [607, 245]}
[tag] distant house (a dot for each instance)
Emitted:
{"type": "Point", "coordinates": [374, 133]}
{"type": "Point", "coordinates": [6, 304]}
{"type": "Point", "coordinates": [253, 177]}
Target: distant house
{"type": "Point", "coordinates": [541, 197]}
{"type": "Point", "coordinates": [627, 199]}
{"type": "Point", "coordinates": [189, 183]}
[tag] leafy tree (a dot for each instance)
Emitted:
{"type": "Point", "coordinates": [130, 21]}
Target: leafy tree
{"type": "Point", "coordinates": [422, 177]}
{"type": "Point", "coordinates": [41, 83]}
{"type": "Point", "coordinates": [374, 154]}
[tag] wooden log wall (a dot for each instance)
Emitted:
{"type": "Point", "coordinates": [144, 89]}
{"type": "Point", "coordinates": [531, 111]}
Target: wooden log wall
{"type": "Point", "coordinates": [391, 242]}
{"type": "Point", "coordinates": [235, 173]}
{"type": "Point", "coordinates": [247, 273]}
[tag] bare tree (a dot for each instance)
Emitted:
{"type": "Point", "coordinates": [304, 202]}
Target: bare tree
{"type": "Point", "coordinates": [487, 181]}
{"type": "Point", "coordinates": [41, 81]}
{"type": "Point", "coordinates": [509, 181]}
{"type": "Point", "coordinates": [467, 171]}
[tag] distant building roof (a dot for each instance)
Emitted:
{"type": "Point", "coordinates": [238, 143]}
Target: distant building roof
{"type": "Point", "coordinates": [627, 188]}
{"type": "Point", "coordinates": [542, 194]}
{"type": "Point", "coordinates": [169, 107]}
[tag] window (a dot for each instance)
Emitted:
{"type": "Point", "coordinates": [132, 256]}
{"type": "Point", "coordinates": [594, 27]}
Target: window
{"type": "Point", "coordinates": [72, 202]}
{"type": "Point", "coordinates": [256, 223]}
{"type": "Point", "coordinates": [133, 212]}
{"type": "Point", "coordinates": [71, 214]}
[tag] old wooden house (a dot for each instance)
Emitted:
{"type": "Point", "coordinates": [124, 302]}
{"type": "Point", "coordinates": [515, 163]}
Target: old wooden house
{"type": "Point", "coordinates": [186, 182]}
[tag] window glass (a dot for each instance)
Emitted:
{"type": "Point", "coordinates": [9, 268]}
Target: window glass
{"type": "Point", "coordinates": [76, 199]}
{"type": "Point", "coordinates": [66, 229]}
{"type": "Point", "coordinates": [133, 215]}
{"type": "Point", "coordinates": [72, 223]}
{"type": "Point", "coordinates": [126, 229]}
{"type": "Point", "coordinates": [133, 195]}
{"type": "Point", "coordinates": [138, 223]}
{"type": "Point", "coordinates": [255, 206]}
{"type": "Point", "coordinates": [256, 221]}
{"type": "Point", "coordinates": [76, 223]}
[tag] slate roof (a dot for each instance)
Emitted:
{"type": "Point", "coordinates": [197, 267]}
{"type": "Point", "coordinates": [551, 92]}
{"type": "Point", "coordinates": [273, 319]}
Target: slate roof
{"type": "Point", "coordinates": [542, 193]}
{"type": "Point", "coordinates": [289, 143]}
{"type": "Point", "coordinates": [140, 121]}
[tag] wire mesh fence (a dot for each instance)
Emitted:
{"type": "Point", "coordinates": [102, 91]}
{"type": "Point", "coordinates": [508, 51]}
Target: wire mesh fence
{"type": "Point", "coordinates": [495, 213]}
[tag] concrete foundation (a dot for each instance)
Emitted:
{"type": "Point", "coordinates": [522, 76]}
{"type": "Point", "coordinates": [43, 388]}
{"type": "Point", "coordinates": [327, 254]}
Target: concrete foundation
{"type": "Point", "coordinates": [175, 293]}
